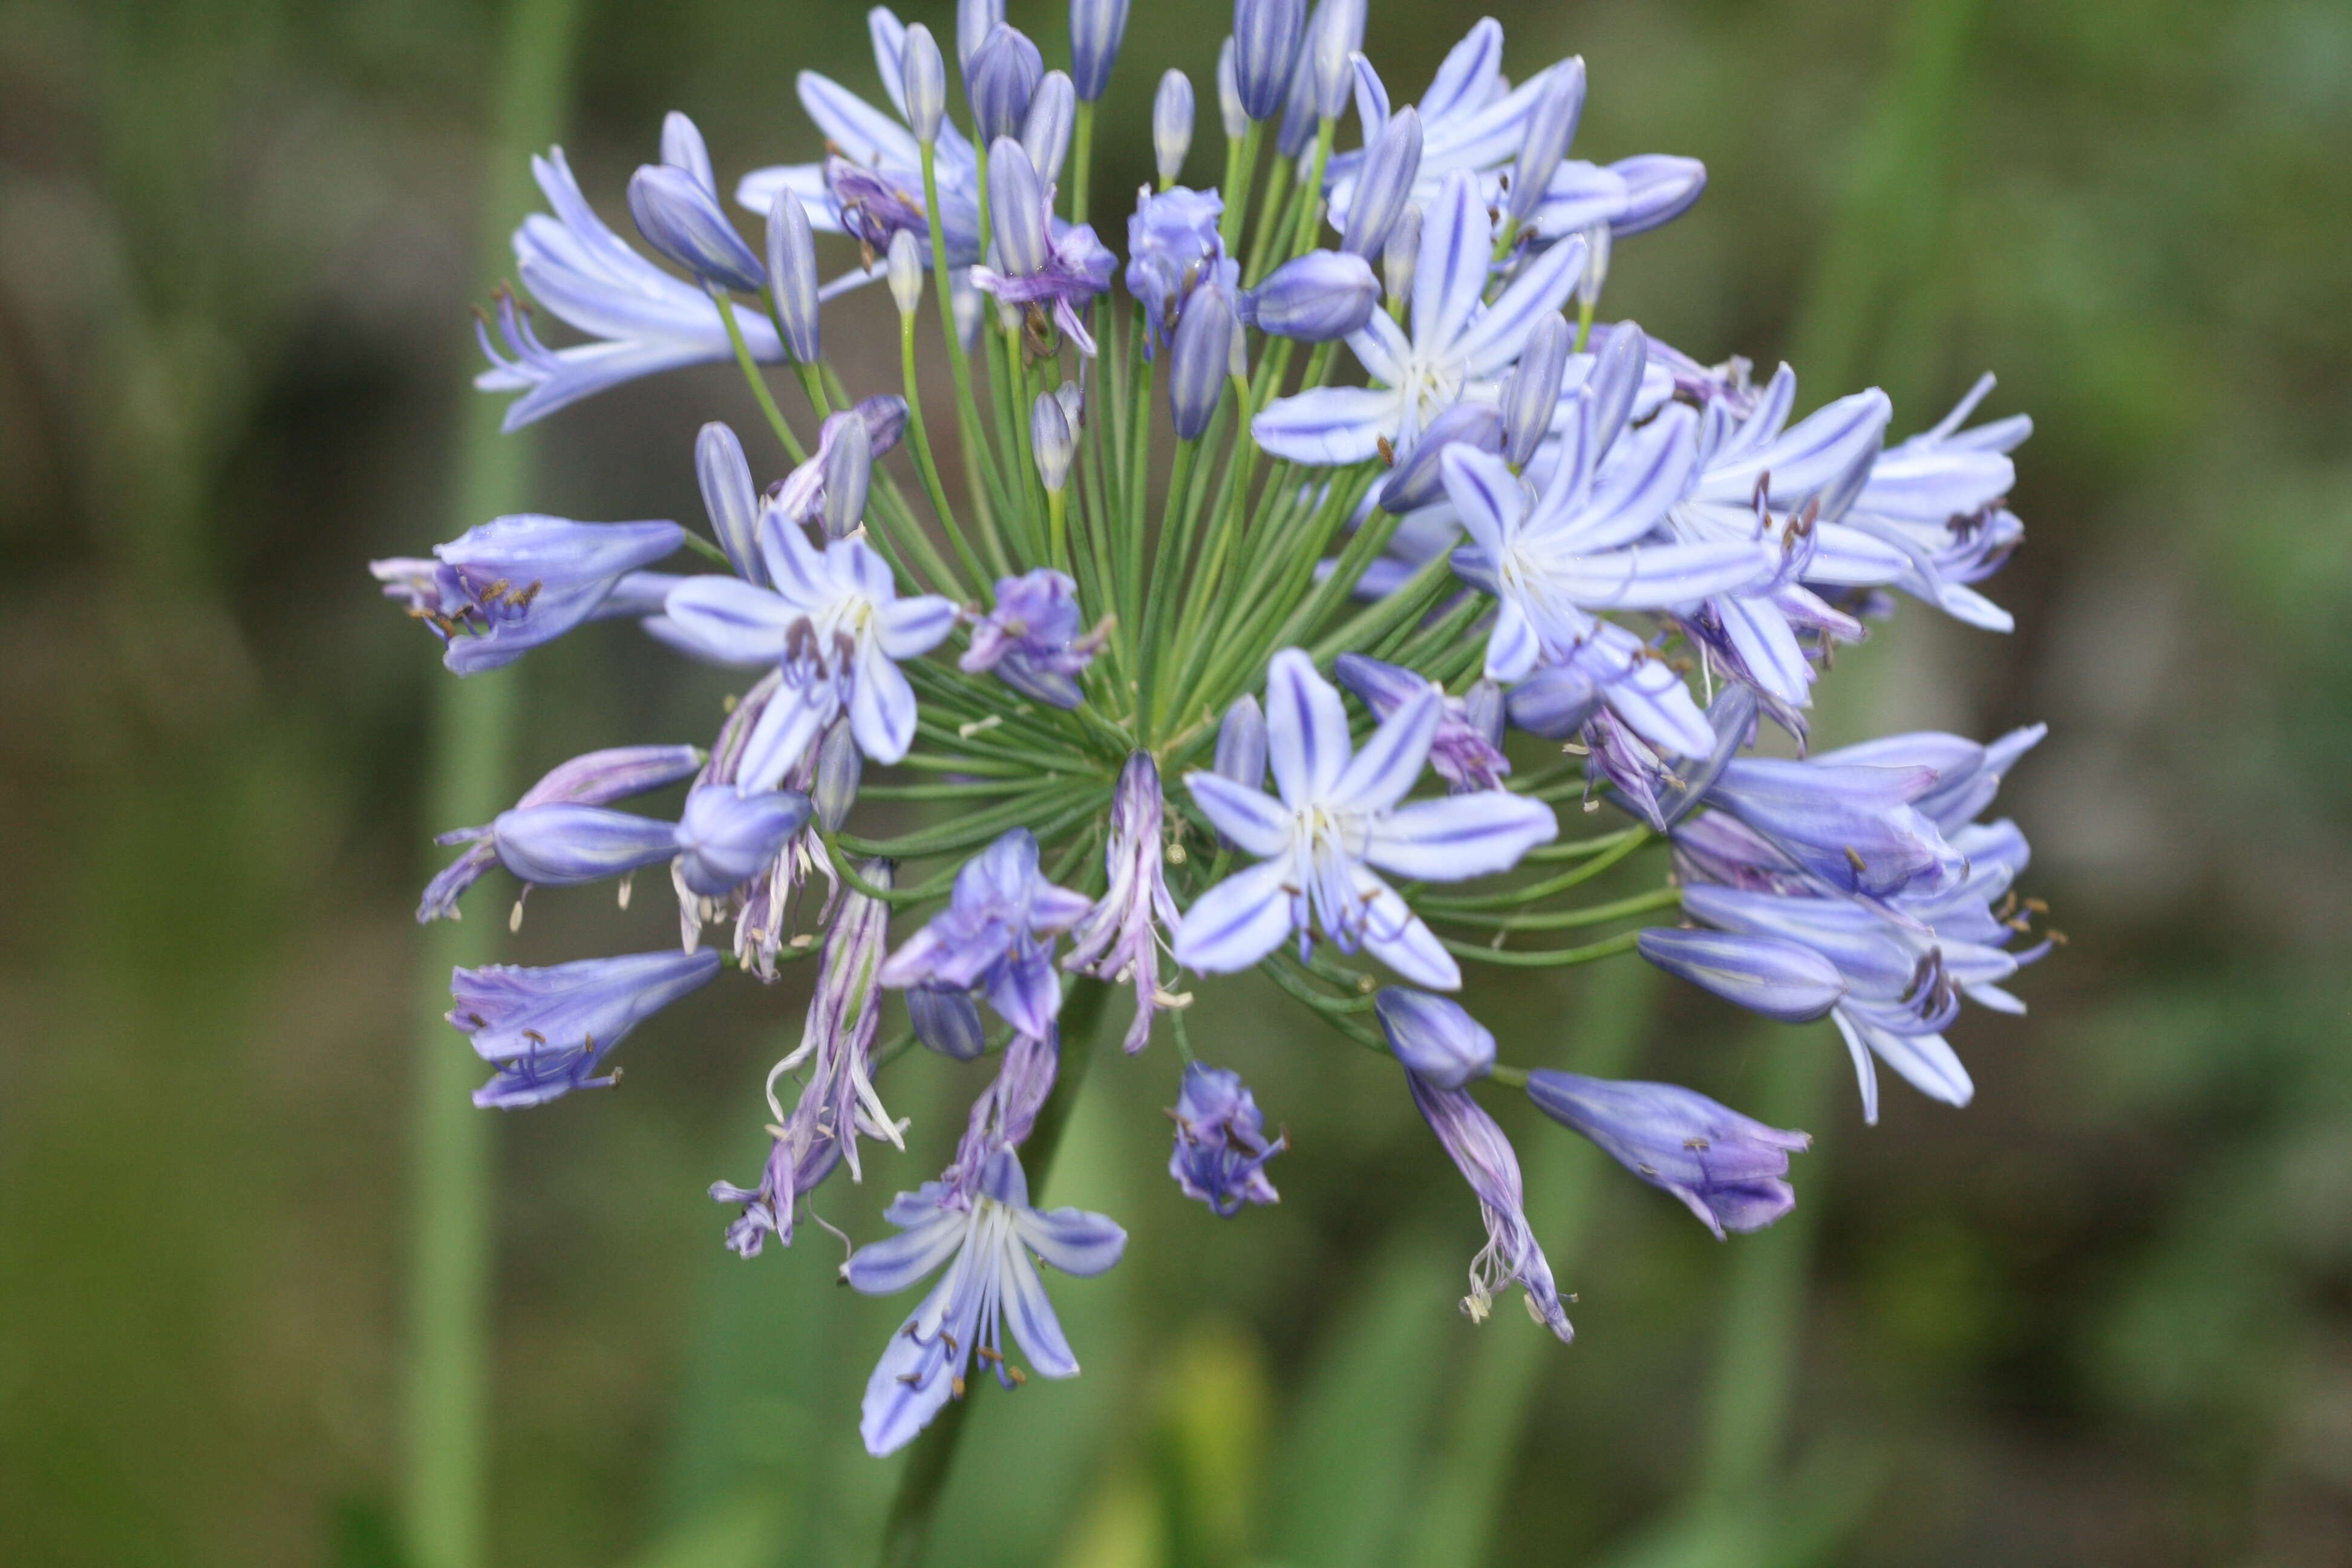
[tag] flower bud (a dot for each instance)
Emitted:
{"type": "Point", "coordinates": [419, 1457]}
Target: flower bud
{"type": "Point", "coordinates": [1015, 198]}
{"type": "Point", "coordinates": [559, 845]}
{"type": "Point", "coordinates": [1337, 33]}
{"type": "Point", "coordinates": [1096, 28]}
{"type": "Point", "coordinates": [1384, 186]}
{"type": "Point", "coordinates": [1199, 360]}
{"type": "Point", "coordinates": [1297, 131]}
{"type": "Point", "coordinates": [1241, 743]}
{"type": "Point", "coordinates": [1416, 482]}
{"type": "Point", "coordinates": [1551, 125]}
{"type": "Point", "coordinates": [1616, 380]}
{"type": "Point", "coordinates": [947, 1021]}
{"type": "Point", "coordinates": [975, 19]}
{"type": "Point", "coordinates": [839, 764]}
{"type": "Point", "coordinates": [1045, 130]}
{"type": "Point", "coordinates": [1001, 78]}
{"type": "Point", "coordinates": [727, 495]}
{"type": "Point", "coordinates": [1437, 1040]}
{"type": "Point", "coordinates": [680, 217]}
{"type": "Point", "coordinates": [905, 272]}
{"type": "Point", "coordinates": [1531, 393]}
{"type": "Point", "coordinates": [1265, 42]}
{"type": "Point", "coordinates": [792, 276]}
{"type": "Point", "coordinates": [848, 471]}
{"type": "Point", "coordinates": [1050, 438]}
{"type": "Point", "coordinates": [1659, 188]}
{"type": "Point", "coordinates": [1482, 711]}
{"type": "Point", "coordinates": [1729, 1170]}
{"type": "Point", "coordinates": [967, 303]}
{"type": "Point", "coordinates": [1401, 257]}
{"type": "Point", "coordinates": [924, 78]}
{"type": "Point", "coordinates": [1229, 94]}
{"type": "Point", "coordinates": [1785, 980]}
{"type": "Point", "coordinates": [725, 837]}
{"type": "Point", "coordinates": [1596, 266]}
{"type": "Point", "coordinates": [1322, 295]}
{"type": "Point", "coordinates": [1171, 125]}
{"type": "Point", "coordinates": [1555, 703]}
{"type": "Point", "coordinates": [682, 147]}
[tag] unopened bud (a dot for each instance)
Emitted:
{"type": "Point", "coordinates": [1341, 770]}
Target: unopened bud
{"type": "Point", "coordinates": [925, 75]}
{"type": "Point", "coordinates": [680, 217]}
{"type": "Point", "coordinates": [905, 272]}
{"type": "Point", "coordinates": [1551, 125]}
{"type": "Point", "coordinates": [849, 470]}
{"type": "Point", "coordinates": [1050, 438]}
{"type": "Point", "coordinates": [1401, 257]}
{"type": "Point", "coordinates": [1265, 42]}
{"type": "Point", "coordinates": [1045, 130]}
{"type": "Point", "coordinates": [838, 766]}
{"type": "Point", "coordinates": [1384, 184]}
{"type": "Point", "coordinates": [1596, 264]}
{"type": "Point", "coordinates": [1531, 393]}
{"type": "Point", "coordinates": [1241, 743]}
{"type": "Point", "coordinates": [792, 276]}
{"type": "Point", "coordinates": [1437, 1040]}
{"type": "Point", "coordinates": [946, 1021]}
{"type": "Point", "coordinates": [1000, 78]}
{"type": "Point", "coordinates": [1096, 28]}
{"type": "Point", "coordinates": [1229, 95]}
{"type": "Point", "coordinates": [1199, 360]}
{"type": "Point", "coordinates": [1171, 125]}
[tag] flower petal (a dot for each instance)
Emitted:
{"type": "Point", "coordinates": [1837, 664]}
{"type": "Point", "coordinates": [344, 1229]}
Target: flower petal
{"type": "Point", "coordinates": [1397, 937]}
{"type": "Point", "coordinates": [1239, 920]}
{"type": "Point", "coordinates": [1455, 243]}
{"type": "Point", "coordinates": [1461, 835]}
{"type": "Point", "coordinates": [904, 629]}
{"type": "Point", "coordinates": [1384, 771]}
{"type": "Point", "coordinates": [887, 1267]}
{"type": "Point", "coordinates": [1257, 824]}
{"type": "Point", "coordinates": [1494, 340]}
{"type": "Point", "coordinates": [1329, 426]}
{"type": "Point", "coordinates": [728, 619]}
{"type": "Point", "coordinates": [1029, 1313]}
{"type": "Point", "coordinates": [1305, 730]}
{"type": "Point", "coordinates": [881, 708]}
{"type": "Point", "coordinates": [1071, 1240]}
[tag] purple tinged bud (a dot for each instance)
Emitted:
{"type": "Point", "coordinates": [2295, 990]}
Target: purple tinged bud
{"type": "Point", "coordinates": [1531, 394]}
{"type": "Point", "coordinates": [1265, 42]}
{"type": "Point", "coordinates": [547, 1031]}
{"type": "Point", "coordinates": [1555, 702]}
{"type": "Point", "coordinates": [680, 217]}
{"type": "Point", "coordinates": [1659, 188]}
{"type": "Point", "coordinates": [1595, 275]}
{"type": "Point", "coordinates": [1045, 129]}
{"type": "Point", "coordinates": [1171, 126]}
{"type": "Point", "coordinates": [682, 147]}
{"type": "Point", "coordinates": [728, 495]}
{"type": "Point", "coordinates": [1241, 743]}
{"type": "Point", "coordinates": [1333, 41]}
{"type": "Point", "coordinates": [1730, 1170]}
{"type": "Point", "coordinates": [1229, 94]}
{"type": "Point", "coordinates": [1416, 482]}
{"type": "Point", "coordinates": [560, 845]}
{"type": "Point", "coordinates": [1199, 361]}
{"type": "Point", "coordinates": [906, 273]}
{"type": "Point", "coordinates": [1015, 198]}
{"type": "Point", "coordinates": [1221, 1147]}
{"type": "Point", "coordinates": [1551, 126]}
{"type": "Point", "coordinates": [975, 19]}
{"type": "Point", "coordinates": [792, 275]}
{"type": "Point", "coordinates": [1401, 257]}
{"type": "Point", "coordinates": [725, 837]}
{"type": "Point", "coordinates": [1482, 712]}
{"type": "Point", "coordinates": [1298, 128]}
{"type": "Point", "coordinates": [849, 469]}
{"type": "Point", "coordinates": [597, 778]}
{"type": "Point", "coordinates": [1320, 296]}
{"type": "Point", "coordinates": [924, 78]}
{"type": "Point", "coordinates": [1616, 381]}
{"type": "Point", "coordinates": [1096, 28]}
{"type": "Point", "coordinates": [966, 302]}
{"type": "Point", "coordinates": [1436, 1039]}
{"type": "Point", "coordinates": [1001, 78]}
{"type": "Point", "coordinates": [1784, 980]}
{"type": "Point", "coordinates": [1050, 438]}
{"type": "Point", "coordinates": [947, 1022]}
{"type": "Point", "coordinates": [1384, 188]}
{"type": "Point", "coordinates": [839, 765]}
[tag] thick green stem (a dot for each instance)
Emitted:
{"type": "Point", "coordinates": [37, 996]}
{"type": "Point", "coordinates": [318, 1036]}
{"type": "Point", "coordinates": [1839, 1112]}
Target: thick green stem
{"type": "Point", "coordinates": [444, 1374]}
{"type": "Point", "coordinates": [913, 1511]}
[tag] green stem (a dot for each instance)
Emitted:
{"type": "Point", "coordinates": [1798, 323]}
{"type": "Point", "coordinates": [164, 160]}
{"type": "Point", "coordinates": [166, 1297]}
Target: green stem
{"type": "Point", "coordinates": [1082, 159]}
{"type": "Point", "coordinates": [759, 383]}
{"type": "Point", "coordinates": [913, 1511]}
{"type": "Point", "coordinates": [445, 1376]}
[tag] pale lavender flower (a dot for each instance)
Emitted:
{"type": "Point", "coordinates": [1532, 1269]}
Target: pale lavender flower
{"type": "Point", "coordinates": [1121, 938]}
{"type": "Point", "coordinates": [598, 778]}
{"type": "Point", "coordinates": [1483, 1156]}
{"type": "Point", "coordinates": [802, 496]}
{"type": "Point", "coordinates": [1729, 1170]}
{"type": "Point", "coordinates": [1315, 298]}
{"type": "Point", "coordinates": [1038, 268]}
{"type": "Point", "coordinates": [724, 839]}
{"type": "Point", "coordinates": [1940, 498]}
{"type": "Point", "coordinates": [1000, 79]}
{"type": "Point", "coordinates": [834, 625]}
{"type": "Point", "coordinates": [1265, 43]}
{"type": "Point", "coordinates": [1031, 639]}
{"type": "Point", "coordinates": [548, 1031]}
{"type": "Point", "coordinates": [1220, 1148]}
{"type": "Point", "coordinates": [1171, 125]}
{"type": "Point", "coordinates": [1436, 1037]}
{"type": "Point", "coordinates": [985, 1246]}
{"type": "Point", "coordinates": [1467, 751]}
{"type": "Point", "coordinates": [503, 587]}
{"type": "Point", "coordinates": [1784, 980]}
{"type": "Point", "coordinates": [995, 935]}
{"type": "Point", "coordinates": [1340, 813]}
{"type": "Point", "coordinates": [1173, 247]}
{"type": "Point", "coordinates": [1455, 352]}
{"type": "Point", "coordinates": [1097, 26]}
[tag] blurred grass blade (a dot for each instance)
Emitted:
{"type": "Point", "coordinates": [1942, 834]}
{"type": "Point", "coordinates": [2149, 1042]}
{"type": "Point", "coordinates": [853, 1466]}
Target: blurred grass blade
{"type": "Point", "coordinates": [447, 1361]}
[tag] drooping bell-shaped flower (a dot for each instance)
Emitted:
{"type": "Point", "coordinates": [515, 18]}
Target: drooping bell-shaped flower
{"type": "Point", "coordinates": [598, 778]}
{"type": "Point", "coordinates": [1121, 938]}
{"type": "Point", "coordinates": [1483, 1155]}
{"type": "Point", "coordinates": [1031, 639]}
{"type": "Point", "coordinates": [503, 587]}
{"type": "Point", "coordinates": [1729, 1170]}
{"type": "Point", "coordinates": [548, 1031]}
{"type": "Point", "coordinates": [1220, 1148]}
{"type": "Point", "coordinates": [997, 934]}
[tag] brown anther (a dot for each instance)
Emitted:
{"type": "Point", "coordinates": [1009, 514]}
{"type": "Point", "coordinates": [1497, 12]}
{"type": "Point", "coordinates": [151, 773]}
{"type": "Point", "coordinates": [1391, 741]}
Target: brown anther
{"type": "Point", "coordinates": [1387, 451]}
{"type": "Point", "coordinates": [534, 1036]}
{"type": "Point", "coordinates": [1698, 1145]}
{"type": "Point", "coordinates": [866, 254]}
{"type": "Point", "coordinates": [1853, 859]}
{"type": "Point", "coordinates": [2008, 908]}
{"type": "Point", "coordinates": [957, 1384]}
{"type": "Point", "coordinates": [992, 1357]}
{"type": "Point", "coordinates": [1018, 1376]}
{"type": "Point", "coordinates": [477, 1020]}
{"type": "Point", "coordinates": [948, 1339]}
{"type": "Point", "coordinates": [2054, 938]}
{"type": "Point", "coordinates": [2038, 906]}
{"type": "Point", "coordinates": [832, 149]}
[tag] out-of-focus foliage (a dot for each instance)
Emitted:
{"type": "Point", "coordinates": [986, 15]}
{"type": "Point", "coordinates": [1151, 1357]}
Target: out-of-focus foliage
{"type": "Point", "coordinates": [2104, 1316]}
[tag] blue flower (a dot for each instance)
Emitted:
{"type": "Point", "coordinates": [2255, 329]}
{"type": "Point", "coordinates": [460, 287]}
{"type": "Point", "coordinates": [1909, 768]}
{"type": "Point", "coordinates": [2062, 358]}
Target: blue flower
{"type": "Point", "coordinates": [995, 933]}
{"type": "Point", "coordinates": [1220, 1149]}
{"type": "Point", "coordinates": [984, 1239]}
{"type": "Point", "coordinates": [1939, 497]}
{"type": "Point", "coordinates": [597, 778]}
{"type": "Point", "coordinates": [1121, 938]}
{"type": "Point", "coordinates": [834, 624]}
{"type": "Point", "coordinates": [1436, 1037]}
{"type": "Point", "coordinates": [1173, 247]}
{"type": "Point", "coordinates": [1455, 351]}
{"type": "Point", "coordinates": [1729, 1170]}
{"type": "Point", "coordinates": [1338, 815]}
{"type": "Point", "coordinates": [548, 1031]}
{"type": "Point", "coordinates": [1483, 1154]}
{"type": "Point", "coordinates": [503, 587]}
{"type": "Point", "coordinates": [1031, 640]}
{"type": "Point", "coordinates": [1037, 266]}
{"type": "Point", "coordinates": [1467, 751]}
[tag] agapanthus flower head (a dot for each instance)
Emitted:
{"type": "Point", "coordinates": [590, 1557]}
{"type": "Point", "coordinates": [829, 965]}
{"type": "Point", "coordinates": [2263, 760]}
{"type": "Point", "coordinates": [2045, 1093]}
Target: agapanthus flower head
{"type": "Point", "coordinates": [996, 935]}
{"type": "Point", "coordinates": [548, 1031]}
{"type": "Point", "coordinates": [1221, 1147]}
{"type": "Point", "coordinates": [990, 1283]}
{"type": "Point", "coordinates": [1729, 1170]}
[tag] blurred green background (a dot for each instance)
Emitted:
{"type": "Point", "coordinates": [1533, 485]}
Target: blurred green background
{"type": "Point", "coordinates": [2101, 1316]}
